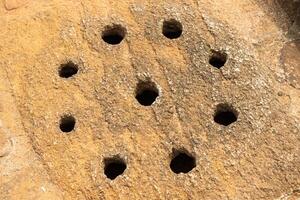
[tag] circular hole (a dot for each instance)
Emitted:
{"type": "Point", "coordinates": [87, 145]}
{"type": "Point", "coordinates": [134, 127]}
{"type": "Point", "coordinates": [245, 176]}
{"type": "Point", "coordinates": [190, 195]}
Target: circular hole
{"type": "Point", "coordinates": [146, 93]}
{"type": "Point", "coordinates": [67, 123]}
{"type": "Point", "coordinates": [114, 167]}
{"type": "Point", "coordinates": [68, 70]}
{"type": "Point", "coordinates": [182, 162]}
{"type": "Point", "coordinates": [218, 59]}
{"type": "Point", "coordinates": [113, 34]}
{"type": "Point", "coordinates": [172, 29]}
{"type": "Point", "coordinates": [225, 115]}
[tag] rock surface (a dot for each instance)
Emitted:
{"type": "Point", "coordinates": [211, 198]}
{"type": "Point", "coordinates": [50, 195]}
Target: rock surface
{"type": "Point", "coordinates": [89, 87]}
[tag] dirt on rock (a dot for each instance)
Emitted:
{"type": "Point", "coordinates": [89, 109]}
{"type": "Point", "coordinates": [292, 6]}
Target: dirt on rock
{"type": "Point", "coordinates": [136, 99]}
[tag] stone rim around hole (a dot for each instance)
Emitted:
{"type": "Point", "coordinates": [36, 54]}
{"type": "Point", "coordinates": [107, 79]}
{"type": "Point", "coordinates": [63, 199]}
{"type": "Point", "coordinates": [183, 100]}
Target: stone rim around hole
{"type": "Point", "coordinates": [218, 59]}
{"type": "Point", "coordinates": [225, 114]}
{"type": "Point", "coordinates": [114, 167]}
{"type": "Point", "coordinates": [67, 123]}
{"type": "Point", "coordinates": [113, 34]}
{"type": "Point", "coordinates": [182, 162]}
{"type": "Point", "coordinates": [68, 70]}
{"type": "Point", "coordinates": [146, 93]}
{"type": "Point", "coordinates": [172, 29]}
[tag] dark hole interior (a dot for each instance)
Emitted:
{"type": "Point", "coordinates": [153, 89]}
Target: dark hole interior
{"type": "Point", "coordinates": [68, 70]}
{"type": "Point", "coordinates": [67, 124]}
{"type": "Point", "coordinates": [114, 168]}
{"type": "Point", "coordinates": [172, 29]}
{"type": "Point", "coordinates": [218, 59]}
{"type": "Point", "coordinates": [225, 115]}
{"type": "Point", "coordinates": [146, 93]}
{"type": "Point", "coordinates": [182, 163]}
{"type": "Point", "coordinates": [113, 34]}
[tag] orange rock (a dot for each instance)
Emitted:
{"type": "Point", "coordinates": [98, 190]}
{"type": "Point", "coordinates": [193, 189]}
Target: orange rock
{"type": "Point", "coordinates": [14, 4]}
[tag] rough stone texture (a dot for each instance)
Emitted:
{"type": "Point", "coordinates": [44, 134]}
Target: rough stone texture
{"type": "Point", "coordinates": [257, 157]}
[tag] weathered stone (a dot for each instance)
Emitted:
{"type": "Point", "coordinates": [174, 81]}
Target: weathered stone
{"type": "Point", "coordinates": [135, 99]}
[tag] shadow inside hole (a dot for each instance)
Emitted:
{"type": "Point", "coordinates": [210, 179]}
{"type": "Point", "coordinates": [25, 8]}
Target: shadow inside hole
{"type": "Point", "coordinates": [182, 163]}
{"type": "Point", "coordinates": [225, 115]}
{"type": "Point", "coordinates": [68, 70]}
{"type": "Point", "coordinates": [146, 93]}
{"type": "Point", "coordinates": [67, 123]}
{"type": "Point", "coordinates": [114, 167]}
{"type": "Point", "coordinates": [218, 59]}
{"type": "Point", "coordinates": [172, 29]}
{"type": "Point", "coordinates": [113, 34]}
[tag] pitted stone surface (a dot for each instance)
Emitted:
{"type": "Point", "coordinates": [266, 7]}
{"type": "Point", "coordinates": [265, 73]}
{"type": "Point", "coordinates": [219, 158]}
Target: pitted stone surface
{"type": "Point", "coordinates": [116, 46]}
